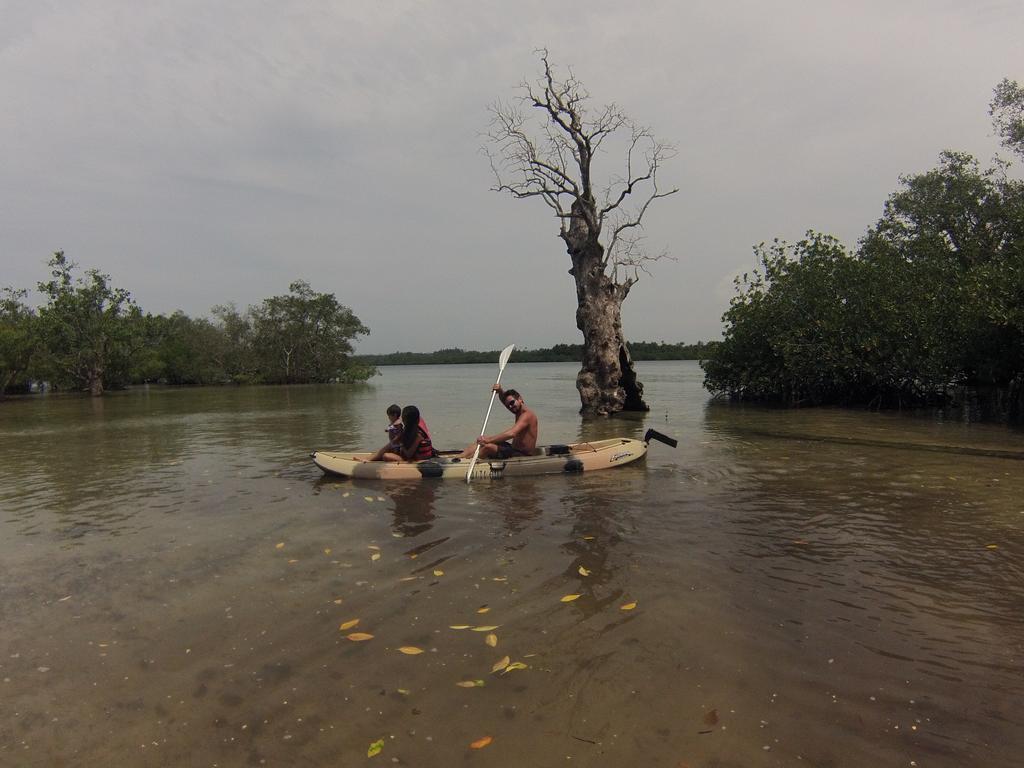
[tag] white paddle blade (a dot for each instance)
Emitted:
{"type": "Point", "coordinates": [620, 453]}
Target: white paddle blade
{"type": "Point", "coordinates": [506, 353]}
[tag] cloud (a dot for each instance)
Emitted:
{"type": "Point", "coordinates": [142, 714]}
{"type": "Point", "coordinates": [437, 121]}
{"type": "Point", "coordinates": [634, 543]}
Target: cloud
{"type": "Point", "coordinates": [212, 152]}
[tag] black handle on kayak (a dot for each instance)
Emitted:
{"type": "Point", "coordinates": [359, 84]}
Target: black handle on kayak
{"type": "Point", "coordinates": [655, 435]}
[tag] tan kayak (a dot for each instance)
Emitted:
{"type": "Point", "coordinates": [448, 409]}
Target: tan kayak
{"type": "Point", "coordinates": [546, 460]}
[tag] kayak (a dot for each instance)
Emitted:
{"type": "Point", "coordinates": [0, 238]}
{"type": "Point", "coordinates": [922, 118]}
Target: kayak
{"type": "Point", "coordinates": [545, 460]}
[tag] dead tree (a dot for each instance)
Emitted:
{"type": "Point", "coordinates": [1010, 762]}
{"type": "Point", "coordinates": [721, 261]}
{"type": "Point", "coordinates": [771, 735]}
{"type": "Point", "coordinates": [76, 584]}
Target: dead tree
{"type": "Point", "coordinates": [602, 227]}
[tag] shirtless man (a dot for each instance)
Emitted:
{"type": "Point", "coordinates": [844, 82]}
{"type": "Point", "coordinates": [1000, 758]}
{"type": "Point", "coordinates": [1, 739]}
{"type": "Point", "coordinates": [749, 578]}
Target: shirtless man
{"type": "Point", "coordinates": [522, 434]}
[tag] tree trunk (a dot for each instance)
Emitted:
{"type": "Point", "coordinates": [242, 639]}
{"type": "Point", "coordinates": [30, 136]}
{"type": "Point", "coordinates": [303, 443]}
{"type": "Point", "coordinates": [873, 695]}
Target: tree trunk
{"type": "Point", "coordinates": [96, 382]}
{"type": "Point", "coordinates": [607, 382]}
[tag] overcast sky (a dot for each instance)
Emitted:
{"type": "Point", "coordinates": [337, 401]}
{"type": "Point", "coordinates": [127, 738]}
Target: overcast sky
{"type": "Point", "coordinates": [209, 152]}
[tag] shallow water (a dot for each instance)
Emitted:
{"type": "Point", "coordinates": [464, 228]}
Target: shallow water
{"type": "Point", "coordinates": [815, 587]}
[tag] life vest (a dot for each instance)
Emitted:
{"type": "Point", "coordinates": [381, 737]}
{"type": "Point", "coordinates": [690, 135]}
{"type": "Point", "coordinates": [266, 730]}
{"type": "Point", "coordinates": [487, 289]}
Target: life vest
{"type": "Point", "coordinates": [425, 450]}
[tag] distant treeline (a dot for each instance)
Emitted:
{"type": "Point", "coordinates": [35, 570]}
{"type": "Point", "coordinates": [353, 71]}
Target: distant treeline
{"type": "Point", "coordinates": [559, 353]}
{"type": "Point", "coordinates": [90, 336]}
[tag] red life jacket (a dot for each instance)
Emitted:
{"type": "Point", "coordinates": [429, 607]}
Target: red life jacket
{"type": "Point", "coordinates": [425, 450]}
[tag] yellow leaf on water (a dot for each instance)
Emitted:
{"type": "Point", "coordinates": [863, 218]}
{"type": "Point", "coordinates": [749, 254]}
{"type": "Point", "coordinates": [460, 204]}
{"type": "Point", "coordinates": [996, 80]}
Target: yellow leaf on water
{"type": "Point", "coordinates": [345, 495]}
{"type": "Point", "coordinates": [349, 624]}
{"type": "Point", "coordinates": [992, 546]}
{"type": "Point", "coordinates": [358, 637]}
{"type": "Point", "coordinates": [338, 601]}
{"type": "Point", "coordinates": [372, 546]}
{"type": "Point", "coordinates": [458, 626]}
{"type": "Point", "coordinates": [409, 578]}
{"type": "Point", "coordinates": [500, 664]}
{"type": "Point", "coordinates": [481, 743]}
{"type": "Point", "coordinates": [410, 650]}
{"type": "Point", "coordinates": [486, 629]}
{"type": "Point", "coordinates": [368, 498]}
{"type": "Point", "coordinates": [327, 550]}
{"type": "Point", "coordinates": [468, 683]}
{"type": "Point", "coordinates": [583, 571]}
{"type": "Point", "coordinates": [279, 545]}
{"type": "Point", "coordinates": [438, 572]}
{"type": "Point", "coordinates": [402, 691]}
{"type": "Point", "coordinates": [570, 598]}
{"type": "Point", "coordinates": [500, 578]}
{"type": "Point", "coordinates": [292, 561]}
{"type": "Point", "coordinates": [375, 748]}
{"type": "Point", "coordinates": [627, 607]}
{"type": "Point", "coordinates": [491, 640]}
{"type": "Point", "coordinates": [375, 556]}
{"type": "Point", "coordinates": [588, 538]}
{"type": "Point", "coordinates": [513, 666]}
{"type": "Point", "coordinates": [482, 609]}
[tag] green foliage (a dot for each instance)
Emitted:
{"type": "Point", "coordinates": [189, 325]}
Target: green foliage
{"type": "Point", "coordinates": [17, 338]}
{"type": "Point", "coordinates": [1007, 110]}
{"type": "Point", "coordinates": [91, 336]}
{"type": "Point", "coordinates": [932, 300]}
{"type": "Point", "coordinates": [88, 329]}
{"type": "Point", "coordinates": [304, 337]}
{"type": "Point", "coordinates": [181, 350]}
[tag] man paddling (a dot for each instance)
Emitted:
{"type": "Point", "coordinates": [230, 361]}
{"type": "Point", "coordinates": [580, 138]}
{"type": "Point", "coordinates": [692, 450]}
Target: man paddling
{"type": "Point", "coordinates": [518, 440]}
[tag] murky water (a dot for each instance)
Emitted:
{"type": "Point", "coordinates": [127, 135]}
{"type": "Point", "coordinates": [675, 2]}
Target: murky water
{"type": "Point", "coordinates": [817, 587]}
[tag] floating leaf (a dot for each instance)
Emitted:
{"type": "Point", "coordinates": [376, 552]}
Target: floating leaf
{"type": "Point", "coordinates": [438, 572]}
{"type": "Point", "coordinates": [293, 561]}
{"type": "Point", "coordinates": [372, 546]}
{"type": "Point", "coordinates": [410, 650]}
{"type": "Point", "coordinates": [570, 598]}
{"type": "Point", "coordinates": [338, 601]}
{"type": "Point", "coordinates": [501, 664]}
{"type": "Point", "coordinates": [458, 626]}
{"type": "Point", "coordinates": [513, 666]}
{"type": "Point", "coordinates": [349, 624]}
{"type": "Point", "coordinates": [279, 545]}
{"type": "Point", "coordinates": [375, 748]}
{"type": "Point", "coordinates": [409, 578]}
{"type": "Point", "coordinates": [470, 684]}
{"type": "Point", "coordinates": [483, 609]}
{"type": "Point", "coordinates": [992, 546]}
{"type": "Point", "coordinates": [368, 498]}
{"type": "Point", "coordinates": [358, 637]}
{"type": "Point", "coordinates": [491, 640]}
{"type": "Point", "coordinates": [327, 550]}
{"type": "Point", "coordinates": [375, 556]}
{"type": "Point", "coordinates": [403, 691]}
{"type": "Point", "coordinates": [583, 571]}
{"type": "Point", "coordinates": [486, 629]}
{"type": "Point", "coordinates": [627, 607]}
{"type": "Point", "coordinates": [588, 538]}
{"type": "Point", "coordinates": [481, 743]}
{"type": "Point", "coordinates": [500, 578]}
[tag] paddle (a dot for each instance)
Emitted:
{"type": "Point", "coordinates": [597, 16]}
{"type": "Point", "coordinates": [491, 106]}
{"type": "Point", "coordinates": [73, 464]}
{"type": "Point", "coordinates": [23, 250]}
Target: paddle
{"type": "Point", "coordinates": [506, 353]}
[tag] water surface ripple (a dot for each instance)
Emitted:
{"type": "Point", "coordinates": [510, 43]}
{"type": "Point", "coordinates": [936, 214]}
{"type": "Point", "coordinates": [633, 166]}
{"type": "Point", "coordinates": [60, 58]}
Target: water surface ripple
{"type": "Point", "coordinates": [816, 587]}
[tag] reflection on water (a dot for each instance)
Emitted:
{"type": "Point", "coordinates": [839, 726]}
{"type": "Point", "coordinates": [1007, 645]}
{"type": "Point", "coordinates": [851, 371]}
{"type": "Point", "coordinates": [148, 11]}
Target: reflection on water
{"type": "Point", "coordinates": [816, 587]}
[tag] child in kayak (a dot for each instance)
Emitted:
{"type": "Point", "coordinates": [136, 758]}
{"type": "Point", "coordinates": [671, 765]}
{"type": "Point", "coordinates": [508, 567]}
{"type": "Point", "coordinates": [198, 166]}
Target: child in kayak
{"type": "Point", "coordinates": [394, 429]}
{"type": "Point", "coordinates": [412, 443]}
